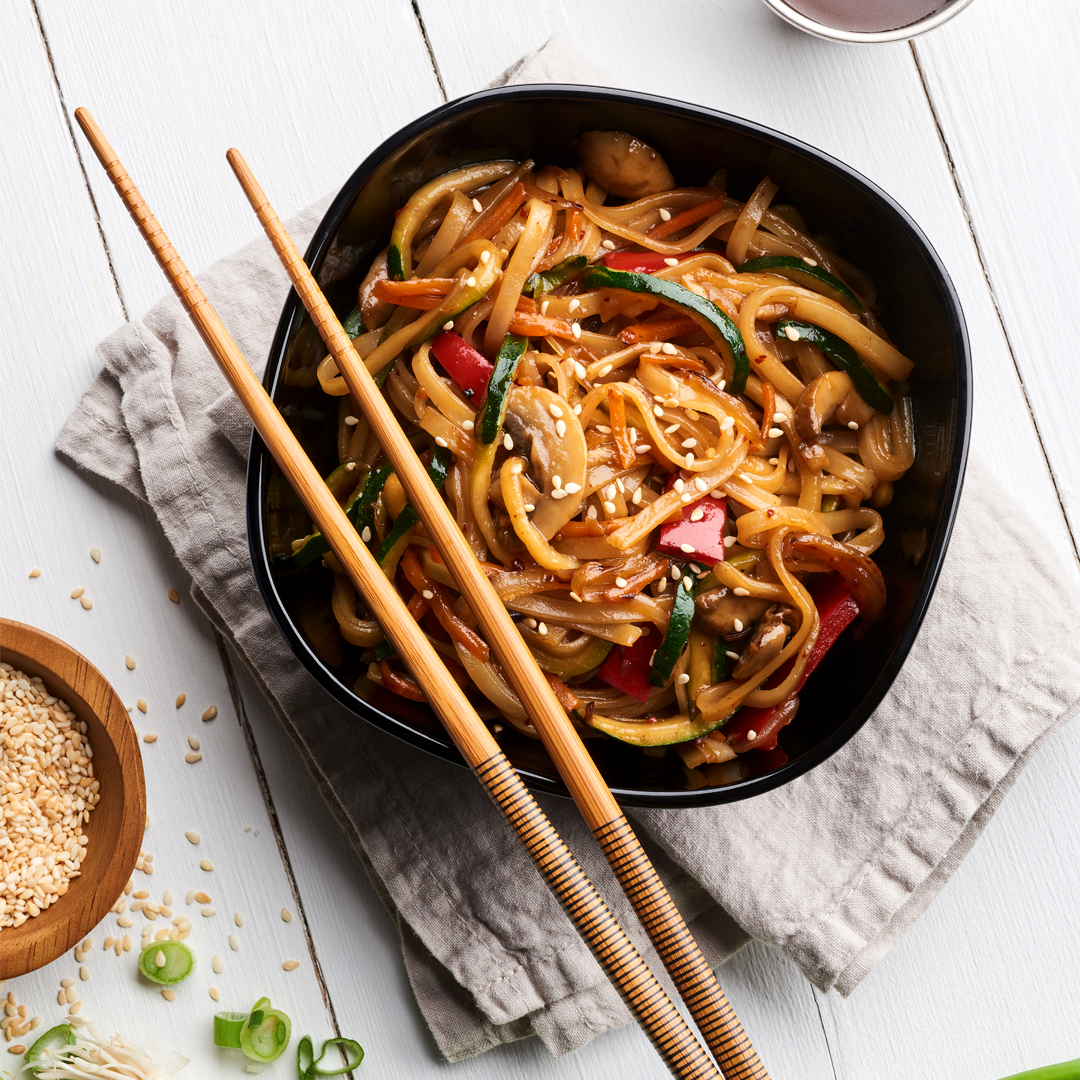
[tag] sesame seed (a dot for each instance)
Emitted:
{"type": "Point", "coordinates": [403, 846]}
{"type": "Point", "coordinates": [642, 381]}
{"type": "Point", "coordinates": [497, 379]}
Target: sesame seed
{"type": "Point", "coordinates": [149, 737]}
{"type": "Point", "coordinates": [636, 498]}
{"type": "Point", "coordinates": [291, 965]}
{"type": "Point", "coordinates": [748, 477]}
{"type": "Point", "coordinates": [661, 585]}
{"type": "Point", "coordinates": [688, 583]}
{"type": "Point", "coordinates": [485, 256]}
{"type": "Point", "coordinates": [580, 372]}
{"type": "Point", "coordinates": [238, 918]}
{"type": "Point", "coordinates": [729, 541]}
{"type": "Point", "coordinates": [471, 282]}
{"type": "Point", "coordinates": [688, 460]}
{"type": "Point", "coordinates": [530, 507]}
{"type": "Point", "coordinates": [792, 334]}
{"type": "Point", "coordinates": [366, 535]}
{"type": "Point", "coordinates": [215, 993]}
{"type": "Point", "coordinates": [853, 424]}
{"type": "Point", "coordinates": [440, 441]}
{"type": "Point", "coordinates": [574, 596]}
{"type": "Point", "coordinates": [671, 262]}
{"type": "Point", "coordinates": [671, 429]}
{"type": "Point", "coordinates": [191, 757]}
{"type": "Point", "coordinates": [609, 507]}
{"type": "Point", "coordinates": [217, 965]}
{"type": "Point", "coordinates": [658, 410]}
{"type": "Point", "coordinates": [76, 593]}
{"type": "Point", "coordinates": [508, 443]}
{"type": "Point", "coordinates": [643, 448]}
{"type": "Point", "coordinates": [36, 572]}
{"type": "Point", "coordinates": [159, 959]}
{"type": "Point", "coordinates": [468, 425]}
{"type": "Point", "coordinates": [775, 433]}
{"type": "Point", "coordinates": [688, 444]}
{"type": "Point", "coordinates": [609, 244]}
{"type": "Point", "coordinates": [689, 549]}
{"type": "Point", "coordinates": [574, 304]}
{"type": "Point", "coordinates": [731, 655]}
{"type": "Point", "coordinates": [672, 403]}
{"type": "Point", "coordinates": [727, 423]}
{"type": "Point", "coordinates": [141, 705]}
{"type": "Point", "coordinates": [558, 493]}
{"type": "Point", "coordinates": [555, 410]}
{"type": "Point", "coordinates": [234, 943]}
{"type": "Point", "coordinates": [427, 594]}
{"type": "Point", "coordinates": [683, 679]}
{"type": "Point", "coordinates": [668, 349]}
{"type": "Point", "coordinates": [193, 742]}
{"type": "Point", "coordinates": [697, 515]}
{"type": "Point", "coordinates": [572, 489]}
{"type": "Point", "coordinates": [575, 329]}
{"type": "Point", "coordinates": [124, 921]}
{"type": "Point", "coordinates": [542, 629]}
{"type": "Point", "coordinates": [207, 912]}
{"type": "Point", "coordinates": [751, 735]}
{"type": "Point", "coordinates": [652, 659]}
{"type": "Point", "coordinates": [530, 623]}
{"type": "Point", "coordinates": [174, 596]}
{"type": "Point", "coordinates": [169, 995]}
{"type": "Point", "coordinates": [605, 370]}
{"type": "Point", "coordinates": [665, 215]}
{"type": "Point", "coordinates": [75, 1009]}
{"type": "Point", "coordinates": [477, 206]}
{"type": "Point", "coordinates": [286, 915]}
{"type": "Point", "coordinates": [740, 591]}
{"type": "Point", "coordinates": [809, 261]}
{"type": "Point", "coordinates": [206, 864]}
{"type": "Point", "coordinates": [515, 468]}
{"type": "Point", "coordinates": [591, 513]}
{"type": "Point", "coordinates": [609, 491]}
{"type": "Point", "coordinates": [738, 625]}
{"type": "Point", "coordinates": [544, 307]}
{"type": "Point", "coordinates": [86, 602]}
{"type": "Point", "coordinates": [180, 699]}
{"type": "Point", "coordinates": [621, 582]}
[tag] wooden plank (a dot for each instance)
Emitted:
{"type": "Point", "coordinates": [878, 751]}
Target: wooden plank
{"type": "Point", "coordinates": [1004, 91]}
{"type": "Point", "coordinates": [175, 85]}
{"type": "Point", "coordinates": [57, 298]}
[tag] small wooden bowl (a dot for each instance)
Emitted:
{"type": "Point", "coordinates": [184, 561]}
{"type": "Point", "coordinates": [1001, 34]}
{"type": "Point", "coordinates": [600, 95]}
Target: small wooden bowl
{"type": "Point", "coordinates": [115, 829]}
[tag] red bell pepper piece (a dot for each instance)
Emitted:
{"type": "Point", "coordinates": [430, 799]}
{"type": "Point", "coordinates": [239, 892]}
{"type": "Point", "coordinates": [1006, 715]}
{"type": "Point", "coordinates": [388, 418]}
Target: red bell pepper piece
{"type": "Point", "coordinates": [705, 536]}
{"type": "Point", "coordinates": [627, 666]}
{"type": "Point", "coordinates": [468, 368]}
{"type": "Point", "coordinates": [642, 262]}
{"type": "Point", "coordinates": [836, 610]}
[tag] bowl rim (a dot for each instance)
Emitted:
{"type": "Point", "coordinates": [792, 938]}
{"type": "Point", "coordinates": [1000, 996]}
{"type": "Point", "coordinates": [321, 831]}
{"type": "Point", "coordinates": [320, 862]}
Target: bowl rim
{"type": "Point", "coordinates": [259, 457]}
{"type": "Point", "coordinates": [34, 944]}
{"type": "Point", "coordinates": [809, 25]}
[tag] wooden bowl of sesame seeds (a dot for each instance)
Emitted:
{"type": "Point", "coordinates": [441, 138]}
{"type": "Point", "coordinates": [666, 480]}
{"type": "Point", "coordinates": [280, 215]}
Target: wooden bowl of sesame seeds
{"type": "Point", "coordinates": [113, 830]}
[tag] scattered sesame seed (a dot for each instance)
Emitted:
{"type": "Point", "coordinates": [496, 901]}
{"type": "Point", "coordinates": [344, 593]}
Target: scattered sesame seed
{"type": "Point", "coordinates": [727, 423]}
{"type": "Point", "coordinates": [544, 307]}
{"type": "Point", "coordinates": [149, 737]}
{"type": "Point", "coordinates": [75, 1009]}
{"type": "Point", "coordinates": [36, 572]}
{"type": "Point", "coordinates": [427, 594]}
{"type": "Point", "coordinates": [580, 372]}
{"type": "Point", "coordinates": [574, 304]}
{"type": "Point", "coordinates": [603, 429]}
{"type": "Point", "coordinates": [238, 918]}
{"type": "Point", "coordinates": [215, 993]}
{"type": "Point", "coordinates": [683, 679]}
{"type": "Point", "coordinates": [174, 596]}
{"type": "Point", "coordinates": [159, 959]}
{"type": "Point", "coordinates": [688, 460]}
{"type": "Point", "coordinates": [738, 625]}
{"type": "Point", "coordinates": [191, 757]}
{"type": "Point", "coordinates": [658, 410]}
{"type": "Point", "coordinates": [471, 282]}
{"type": "Point", "coordinates": [729, 541]}
{"type": "Point", "coordinates": [609, 491]}
{"type": "Point", "coordinates": [609, 244]}
{"type": "Point", "coordinates": [95, 554]}
{"type": "Point", "coordinates": [86, 602]}
{"type": "Point", "coordinates": [605, 370]}
{"type": "Point", "coordinates": [688, 444]}
{"type": "Point", "coordinates": [731, 655]}
{"type": "Point", "coordinates": [286, 915]}
{"type": "Point", "coordinates": [207, 912]}
{"type": "Point", "coordinates": [636, 498]}
{"type": "Point", "coordinates": [661, 585]}
{"type": "Point", "coordinates": [468, 425]}
{"type": "Point", "coordinates": [668, 349]}
{"type": "Point", "coordinates": [291, 965]}
{"type": "Point", "coordinates": [169, 995]}
{"type": "Point", "coordinates": [530, 507]}
{"type": "Point", "coordinates": [575, 329]}
{"type": "Point", "coordinates": [792, 334]}
{"type": "Point", "coordinates": [671, 262]}
{"type": "Point", "coordinates": [193, 742]}
{"type": "Point", "coordinates": [76, 593]}
{"type": "Point", "coordinates": [234, 943]}
{"type": "Point", "coordinates": [124, 921]}
{"type": "Point", "coordinates": [478, 206]}
{"type": "Point", "coordinates": [542, 629]}
{"type": "Point", "coordinates": [671, 429]}
{"type": "Point", "coordinates": [689, 549]}
{"type": "Point", "coordinates": [643, 448]}
{"type": "Point", "coordinates": [530, 623]}
{"type": "Point", "coordinates": [508, 443]}
{"type": "Point", "coordinates": [217, 965]}
{"type": "Point", "coordinates": [853, 424]}
{"type": "Point", "coordinates": [591, 513]}
{"type": "Point", "coordinates": [740, 591]}
{"type": "Point", "coordinates": [206, 864]}
{"type": "Point", "coordinates": [555, 410]}
{"type": "Point", "coordinates": [574, 596]}
{"type": "Point", "coordinates": [748, 477]}
{"type": "Point", "coordinates": [141, 705]}
{"type": "Point", "coordinates": [440, 441]}
{"type": "Point", "coordinates": [665, 215]}
{"type": "Point", "coordinates": [366, 535]}
{"type": "Point", "coordinates": [485, 256]}
{"type": "Point", "coordinates": [210, 713]}
{"type": "Point", "coordinates": [775, 433]}
{"type": "Point", "coordinates": [809, 261]}
{"type": "Point", "coordinates": [697, 515]}
{"type": "Point", "coordinates": [621, 582]}
{"type": "Point", "coordinates": [609, 507]}
{"type": "Point", "coordinates": [572, 489]}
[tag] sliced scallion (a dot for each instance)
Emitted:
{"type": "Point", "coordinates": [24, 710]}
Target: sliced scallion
{"type": "Point", "coordinates": [310, 1067]}
{"type": "Point", "coordinates": [166, 962]}
{"type": "Point", "coordinates": [265, 1034]}
{"type": "Point", "coordinates": [61, 1035]}
{"type": "Point", "coordinates": [227, 1028]}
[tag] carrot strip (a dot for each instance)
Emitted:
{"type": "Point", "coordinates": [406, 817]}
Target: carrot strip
{"type": "Point", "coordinates": [395, 290]}
{"type": "Point", "coordinates": [587, 527]}
{"type": "Point", "coordinates": [418, 606]}
{"type": "Point", "coordinates": [687, 217]}
{"type": "Point", "coordinates": [497, 216]}
{"type": "Point", "coordinates": [659, 329]}
{"type": "Point", "coordinates": [617, 412]}
{"type": "Point", "coordinates": [401, 685]}
{"type": "Point", "coordinates": [443, 610]}
{"type": "Point", "coordinates": [768, 404]}
{"type": "Point", "coordinates": [689, 363]}
{"type": "Point", "coordinates": [566, 697]}
{"type": "Point", "coordinates": [527, 325]}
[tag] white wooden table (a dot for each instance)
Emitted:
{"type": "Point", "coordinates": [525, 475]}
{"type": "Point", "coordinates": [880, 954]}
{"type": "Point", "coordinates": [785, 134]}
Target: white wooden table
{"type": "Point", "coordinates": [972, 129]}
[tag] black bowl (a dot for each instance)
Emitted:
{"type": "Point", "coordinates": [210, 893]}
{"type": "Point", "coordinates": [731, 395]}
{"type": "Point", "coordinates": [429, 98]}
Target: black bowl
{"type": "Point", "coordinates": [921, 312]}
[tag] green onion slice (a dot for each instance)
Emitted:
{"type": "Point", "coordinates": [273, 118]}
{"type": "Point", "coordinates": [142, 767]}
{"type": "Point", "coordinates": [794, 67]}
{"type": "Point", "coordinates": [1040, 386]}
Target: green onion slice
{"type": "Point", "coordinates": [227, 1028]}
{"type": "Point", "coordinates": [61, 1035]}
{"type": "Point", "coordinates": [166, 962]}
{"type": "Point", "coordinates": [310, 1067]}
{"type": "Point", "coordinates": [266, 1032]}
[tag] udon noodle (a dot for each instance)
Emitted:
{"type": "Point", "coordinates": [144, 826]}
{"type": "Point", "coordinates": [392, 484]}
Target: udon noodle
{"type": "Point", "coordinates": [665, 421]}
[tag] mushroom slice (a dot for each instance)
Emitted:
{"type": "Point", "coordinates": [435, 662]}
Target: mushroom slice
{"type": "Point", "coordinates": [544, 428]}
{"type": "Point", "coordinates": [720, 613]}
{"type": "Point", "coordinates": [770, 636]}
{"type": "Point", "coordinates": [623, 165]}
{"type": "Point", "coordinates": [374, 311]}
{"type": "Point", "coordinates": [817, 403]}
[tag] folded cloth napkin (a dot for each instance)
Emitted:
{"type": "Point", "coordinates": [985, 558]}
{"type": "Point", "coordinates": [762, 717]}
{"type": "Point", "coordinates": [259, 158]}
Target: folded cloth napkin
{"type": "Point", "coordinates": [830, 868]}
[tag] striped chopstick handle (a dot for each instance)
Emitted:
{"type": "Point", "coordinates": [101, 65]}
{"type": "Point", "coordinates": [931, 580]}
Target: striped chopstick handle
{"type": "Point", "coordinates": [709, 1006]}
{"type": "Point", "coordinates": [637, 985]}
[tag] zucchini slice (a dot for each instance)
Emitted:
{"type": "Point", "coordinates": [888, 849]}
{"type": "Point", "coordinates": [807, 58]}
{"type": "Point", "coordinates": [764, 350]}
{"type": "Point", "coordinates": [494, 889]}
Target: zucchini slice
{"type": "Point", "coordinates": [704, 312]}
{"type": "Point", "coordinates": [498, 392]}
{"type": "Point", "coordinates": [810, 277]}
{"type": "Point", "coordinates": [667, 656]}
{"type": "Point", "coordinates": [592, 656]}
{"type": "Point", "coordinates": [437, 470]}
{"type": "Point", "coordinates": [676, 729]}
{"type": "Point", "coordinates": [551, 279]}
{"type": "Point", "coordinates": [873, 390]}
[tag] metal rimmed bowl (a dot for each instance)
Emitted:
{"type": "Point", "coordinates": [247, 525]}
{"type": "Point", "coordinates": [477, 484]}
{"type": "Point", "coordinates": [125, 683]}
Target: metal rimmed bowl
{"type": "Point", "coordinates": [802, 21]}
{"type": "Point", "coordinates": [921, 312]}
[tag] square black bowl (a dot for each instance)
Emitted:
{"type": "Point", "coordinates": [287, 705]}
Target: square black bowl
{"type": "Point", "coordinates": [921, 313]}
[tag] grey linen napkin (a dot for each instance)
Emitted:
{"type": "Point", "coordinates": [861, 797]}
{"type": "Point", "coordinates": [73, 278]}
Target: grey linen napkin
{"type": "Point", "coordinates": [830, 869]}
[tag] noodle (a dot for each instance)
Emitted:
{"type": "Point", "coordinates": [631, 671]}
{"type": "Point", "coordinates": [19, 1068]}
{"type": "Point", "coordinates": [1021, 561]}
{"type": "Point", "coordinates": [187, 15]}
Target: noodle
{"type": "Point", "coordinates": [580, 417]}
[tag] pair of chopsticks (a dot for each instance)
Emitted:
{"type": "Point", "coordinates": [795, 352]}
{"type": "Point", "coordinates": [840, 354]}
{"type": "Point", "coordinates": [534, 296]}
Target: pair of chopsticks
{"type": "Point", "coordinates": [621, 961]}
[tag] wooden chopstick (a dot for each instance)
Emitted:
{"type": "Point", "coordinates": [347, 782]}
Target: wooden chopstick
{"type": "Point", "coordinates": [639, 988]}
{"type": "Point", "coordinates": [665, 926]}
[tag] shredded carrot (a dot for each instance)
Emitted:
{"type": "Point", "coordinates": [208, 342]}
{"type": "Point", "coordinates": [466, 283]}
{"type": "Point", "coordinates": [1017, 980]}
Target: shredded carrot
{"type": "Point", "coordinates": [418, 607]}
{"type": "Point", "coordinates": [687, 217]}
{"type": "Point", "coordinates": [659, 329]}
{"type": "Point", "coordinates": [401, 685]}
{"type": "Point", "coordinates": [442, 608]}
{"type": "Point", "coordinates": [566, 697]}
{"type": "Point", "coordinates": [435, 556]}
{"type": "Point", "coordinates": [768, 395]}
{"type": "Point", "coordinates": [689, 363]}
{"type": "Point", "coordinates": [588, 527]}
{"type": "Point", "coordinates": [526, 325]}
{"type": "Point", "coordinates": [497, 216]}
{"type": "Point", "coordinates": [621, 437]}
{"type": "Point", "coordinates": [395, 290]}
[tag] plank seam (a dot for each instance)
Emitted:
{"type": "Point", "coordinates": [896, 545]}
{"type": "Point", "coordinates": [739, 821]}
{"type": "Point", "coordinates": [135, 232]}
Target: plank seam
{"type": "Point", "coordinates": [984, 266]}
{"type": "Point", "coordinates": [79, 157]}
{"type": "Point", "coordinates": [430, 50]}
